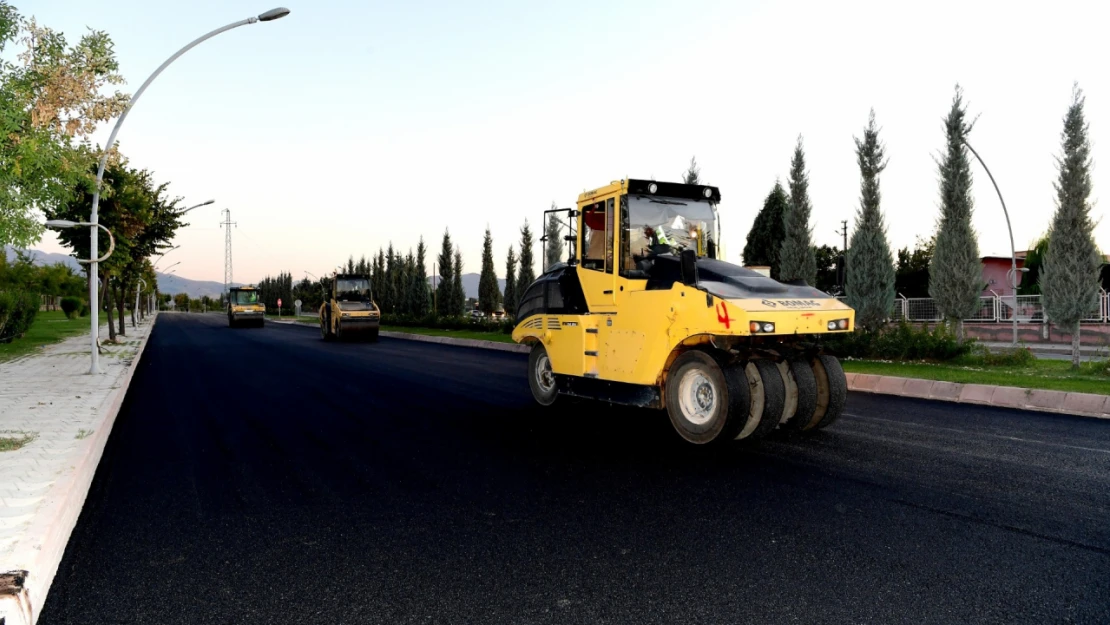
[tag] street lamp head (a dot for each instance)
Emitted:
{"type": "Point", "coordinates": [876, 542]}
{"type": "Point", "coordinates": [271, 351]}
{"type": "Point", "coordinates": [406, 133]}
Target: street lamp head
{"type": "Point", "coordinates": [273, 14]}
{"type": "Point", "coordinates": [208, 202]}
{"type": "Point", "coordinates": [60, 223]}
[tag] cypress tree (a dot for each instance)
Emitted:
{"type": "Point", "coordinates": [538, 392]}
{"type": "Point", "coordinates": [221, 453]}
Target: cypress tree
{"type": "Point", "coordinates": [421, 295]}
{"type": "Point", "coordinates": [351, 264]}
{"type": "Point", "coordinates": [489, 294]}
{"type": "Point", "coordinates": [1070, 274]}
{"type": "Point", "coordinates": [457, 285]}
{"type": "Point", "coordinates": [553, 241]}
{"type": "Point", "coordinates": [870, 283]}
{"type": "Point", "coordinates": [693, 174]}
{"type": "Point", "coordinates": [956, 272]}
{"type": "Point", "coordinates": [511, 294]}
{"type": "Point", "coordinates": [444, 288]}
{"type": "Point", "coordinates": [764, 244]}
{"type": "Point", "coordinates": [389, 297]}
{"type": "Point", "coordinates": [797, 260]}
{"type": "Point", "coordinates": [527, 275]}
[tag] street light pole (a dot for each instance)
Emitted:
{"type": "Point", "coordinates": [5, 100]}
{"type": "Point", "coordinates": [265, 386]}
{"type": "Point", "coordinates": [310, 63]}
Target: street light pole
{"type": "Point", "coordinates": [185, 210]}
{"type": "Point", "coordinates": [135, 313]}
{"type": "Point", "coordinates": [94, 306]}
{"type": "Point", "coordinates": [1013, 252]}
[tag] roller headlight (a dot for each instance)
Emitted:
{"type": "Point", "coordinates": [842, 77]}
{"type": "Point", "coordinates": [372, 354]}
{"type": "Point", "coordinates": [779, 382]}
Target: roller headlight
{"type": "Point", "coordinates": [761, 327]}
{"type": "Point", "coordinates": [652, 188]}
{"type": "Point", "coordinates": [708, 192]}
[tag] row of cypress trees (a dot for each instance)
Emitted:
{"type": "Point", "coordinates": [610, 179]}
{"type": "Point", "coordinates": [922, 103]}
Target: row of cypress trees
{"type": "Point", "coordinates": [781, 236]}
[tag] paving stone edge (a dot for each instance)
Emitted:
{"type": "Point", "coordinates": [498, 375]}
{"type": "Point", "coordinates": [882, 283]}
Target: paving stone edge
{"type": "Point", "coordinates": [1060, 402]}
{"type": "Point", "coordinates": [55, 519]}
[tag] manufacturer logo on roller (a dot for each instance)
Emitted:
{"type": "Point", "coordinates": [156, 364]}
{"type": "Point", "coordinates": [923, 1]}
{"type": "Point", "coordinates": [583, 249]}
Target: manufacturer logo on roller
{"type": "Point", "coordinates": [791, 303]}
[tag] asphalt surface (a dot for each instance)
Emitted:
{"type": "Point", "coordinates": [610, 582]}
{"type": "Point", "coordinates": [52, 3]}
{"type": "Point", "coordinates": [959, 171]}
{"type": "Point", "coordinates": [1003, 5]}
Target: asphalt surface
{"type": "Point", "coordinates": [264, 476]}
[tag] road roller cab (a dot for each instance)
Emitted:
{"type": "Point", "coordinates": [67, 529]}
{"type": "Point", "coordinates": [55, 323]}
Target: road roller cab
{"type": "Point", "coordinates": [643, 312]}
{"type": "Point", "coordinates": [245, 307]}
{"type": "Point", "coordinates": [349, 311]}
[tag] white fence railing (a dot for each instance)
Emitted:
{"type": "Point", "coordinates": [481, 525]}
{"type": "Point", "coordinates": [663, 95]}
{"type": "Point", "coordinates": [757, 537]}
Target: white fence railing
{"type": "Point", "coordinates": [994, 308]}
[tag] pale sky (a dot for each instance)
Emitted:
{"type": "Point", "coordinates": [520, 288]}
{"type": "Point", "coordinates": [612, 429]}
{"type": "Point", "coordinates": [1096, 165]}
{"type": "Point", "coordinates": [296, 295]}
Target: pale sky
{"type": "Point", "coordinates": [347, 125]}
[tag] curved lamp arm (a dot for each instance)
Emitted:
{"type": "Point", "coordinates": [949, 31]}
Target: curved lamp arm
{"type": "Point", "coordinates": [111, 245]}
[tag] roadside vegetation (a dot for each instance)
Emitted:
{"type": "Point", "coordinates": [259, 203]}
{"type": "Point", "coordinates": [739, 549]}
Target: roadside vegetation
{"type": "Point", "coordinates": [11, 441]}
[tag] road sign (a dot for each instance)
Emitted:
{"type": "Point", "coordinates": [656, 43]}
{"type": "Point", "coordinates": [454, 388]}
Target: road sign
{"type": "Point", "coordinates": [279, 302]}
{"type": "Point", "coordinates": [297, 303]}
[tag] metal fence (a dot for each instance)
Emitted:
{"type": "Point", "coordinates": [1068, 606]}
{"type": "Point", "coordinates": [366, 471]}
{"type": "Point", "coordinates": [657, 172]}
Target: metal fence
{"type": "Point", "coordinates": [996, 308]}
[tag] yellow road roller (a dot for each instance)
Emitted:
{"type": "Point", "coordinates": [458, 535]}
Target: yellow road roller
{"type": "Point", "coordinates": [644, 312]}
{"type": "Point", "coordinates": [245, 307]}
{"type": "Point", "coordinates": [349, 311]}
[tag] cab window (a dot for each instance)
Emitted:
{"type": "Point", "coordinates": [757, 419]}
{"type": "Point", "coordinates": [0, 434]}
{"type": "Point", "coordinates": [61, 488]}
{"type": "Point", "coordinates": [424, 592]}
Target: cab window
{"type": "Point", "coordinates": [597, 236]}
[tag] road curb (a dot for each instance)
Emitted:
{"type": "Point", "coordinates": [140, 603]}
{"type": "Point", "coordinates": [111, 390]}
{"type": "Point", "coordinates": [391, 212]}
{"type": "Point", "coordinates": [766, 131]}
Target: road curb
{"type": "Point", "coordinates": [53, 523]}
{"type": "Point", "coordinates": [1059, 402]}
{"type": "Point", "coordinates": [449, 340]}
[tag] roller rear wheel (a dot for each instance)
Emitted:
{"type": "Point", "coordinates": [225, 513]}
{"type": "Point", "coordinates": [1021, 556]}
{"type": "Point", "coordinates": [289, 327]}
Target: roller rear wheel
{"type": "Point", "coordinates": [800, 381]}
{"type": "Point", "coordinates": [541, 378]}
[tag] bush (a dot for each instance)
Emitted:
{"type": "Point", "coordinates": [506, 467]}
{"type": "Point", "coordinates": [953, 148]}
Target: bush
{"type": "Point", "coordinates": [1019, 357]}
{"type": "Point", "coordinates": [71, 306]}
{"type": "Point", "coordinates": [901, 342]}
{"type": "Point", "coordinates": [17, 313]}
{"type": "Point", "coordinates": [84, 309]}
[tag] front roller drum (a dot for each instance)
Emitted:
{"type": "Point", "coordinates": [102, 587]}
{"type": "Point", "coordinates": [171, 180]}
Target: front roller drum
{"type": "Point", "coordinates": [706, 400]}
{"type": "Point", "coordinates": [832, 392]}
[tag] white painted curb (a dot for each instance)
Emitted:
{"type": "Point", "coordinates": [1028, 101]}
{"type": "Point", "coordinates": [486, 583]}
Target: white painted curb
{"type": "Point", "coordinates": [39, 555]}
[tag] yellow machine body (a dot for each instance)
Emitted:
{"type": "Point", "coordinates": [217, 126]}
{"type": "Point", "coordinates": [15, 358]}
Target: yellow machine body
{"type": "Point", "coordinates": [349, 310]}
{"type": "Point", "coordinates": [630, 333]}
{"type": "Point", "coordinates": [245, 307]}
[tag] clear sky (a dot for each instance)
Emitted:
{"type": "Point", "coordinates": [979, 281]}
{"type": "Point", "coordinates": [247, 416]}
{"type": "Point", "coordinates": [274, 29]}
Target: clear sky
{"type": "Point", "coordinates": [347, 124]}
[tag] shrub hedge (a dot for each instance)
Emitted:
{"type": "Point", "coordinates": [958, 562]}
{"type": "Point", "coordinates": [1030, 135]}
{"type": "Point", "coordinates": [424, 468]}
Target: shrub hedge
{"type": "Point", "coordinates": [71, 306]}
{"type": "Point", "coordinates": [17, 313]}
{"type": "Point", "coordinates": [447, 323]}
{"type": "Point", "coordinates": [900, 342]}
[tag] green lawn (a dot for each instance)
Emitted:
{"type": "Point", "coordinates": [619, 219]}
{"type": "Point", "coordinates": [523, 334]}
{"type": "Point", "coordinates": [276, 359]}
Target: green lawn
{"type": "Point", "coordinates": [49, 327]}
{"type": "Point", "coordinates": [459, 334]}
{"type": "Point", "coordinates": [1055, 375]}
{"type": "Point", "coordinates": [309, 319]}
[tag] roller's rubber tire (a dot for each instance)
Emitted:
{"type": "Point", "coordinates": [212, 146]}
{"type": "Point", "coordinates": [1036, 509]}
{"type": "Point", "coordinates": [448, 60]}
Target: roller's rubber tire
{"type": "Point", "coordinates": [806, 384]}
{"type": "Point", "coordinates": [541, 379]}
{"type": "Point", "coordinates": [832, 392]}
{"type": "Point", "coordinates": [702, 403]}
{"type": "Point", "coordinates": [768, 397]}
{"type": "Point", "coordinates": [339, 331]}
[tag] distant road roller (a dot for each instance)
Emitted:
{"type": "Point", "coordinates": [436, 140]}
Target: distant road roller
{"type": "Point", "coordinates": [349, 311]}
{"type": "Point", "coordinates": [643, 312]}
{"type": "Point", "coordinates": [245, 307]}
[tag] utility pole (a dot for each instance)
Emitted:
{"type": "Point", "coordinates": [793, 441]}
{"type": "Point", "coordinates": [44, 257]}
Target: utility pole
{"type": "Point", "coordinates": [227, 223]}
{"type": "Point", "coordinates": [841, 270]}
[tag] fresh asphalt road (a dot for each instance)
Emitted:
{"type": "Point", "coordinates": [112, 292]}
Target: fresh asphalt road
{"type": "Point", "coordinates": [264, 476]}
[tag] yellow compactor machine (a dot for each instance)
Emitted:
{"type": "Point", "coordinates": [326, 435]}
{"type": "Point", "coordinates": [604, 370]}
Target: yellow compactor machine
{"type": "Point", "coordinates": [349, 311]}
{"type": "Point", "coordinates": [245, 307]}
{"type": "Point", "coordinates": [645, 312]}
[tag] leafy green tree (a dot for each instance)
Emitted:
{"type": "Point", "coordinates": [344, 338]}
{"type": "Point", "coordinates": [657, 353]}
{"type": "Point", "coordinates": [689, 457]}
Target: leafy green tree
{"type": "Point", "coordinates": [1034, 262]}
{"type": "Point", "coordinates": [457, 289]}
{"type": "Point", "coordinates": [51, 101]}
{"type": "Point", "coordinates": [511, 294]}
{"type": "Point", "coordinates": [489, 293]}
{"type": "Point", "coordinates": [911, 275]}
{"type": "Point", "coordinates": [1070, 275]}
{"type": "Point", "coordinates": [553, 240]}
{"type": "Point", "coordinates": [419, 277]}
{"type": "Point", "coordinates": [445, 290]}
{"type": "Point", "coordinates": [827, 260]}
{"type": "Point", "coordinates": [693, 173]}
{"type": "Point", "coordinates": [870, 275]}
{"type": "Point", "coordinates": [527, 275]}
{"type": "Point", "coordinates": [764, 243]}
{"type": "Point", "coordinates": [797, 261]}
{"type": "Point", "coordinates": [956, 273]}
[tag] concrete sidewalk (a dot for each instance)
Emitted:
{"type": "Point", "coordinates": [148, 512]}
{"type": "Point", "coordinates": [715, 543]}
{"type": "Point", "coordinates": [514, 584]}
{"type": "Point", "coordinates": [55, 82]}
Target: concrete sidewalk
{"type": "Point", "coordinates": [66, 415]}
